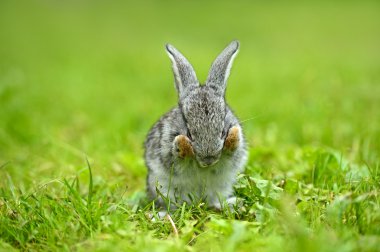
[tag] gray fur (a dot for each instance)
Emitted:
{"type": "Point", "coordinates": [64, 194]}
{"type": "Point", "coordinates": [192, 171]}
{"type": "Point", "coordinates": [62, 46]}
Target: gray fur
{"type": "Point", "coordinates": [203, 115]}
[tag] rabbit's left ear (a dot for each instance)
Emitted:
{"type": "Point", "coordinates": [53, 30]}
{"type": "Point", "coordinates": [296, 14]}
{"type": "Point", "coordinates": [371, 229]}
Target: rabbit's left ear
{"type": "Point", "coordinates": [220, 69]}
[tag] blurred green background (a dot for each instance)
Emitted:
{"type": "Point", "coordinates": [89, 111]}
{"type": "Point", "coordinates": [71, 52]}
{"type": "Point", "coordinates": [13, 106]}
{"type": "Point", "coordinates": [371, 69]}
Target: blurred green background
{"type": "Point", "coordinates": [89, 78]}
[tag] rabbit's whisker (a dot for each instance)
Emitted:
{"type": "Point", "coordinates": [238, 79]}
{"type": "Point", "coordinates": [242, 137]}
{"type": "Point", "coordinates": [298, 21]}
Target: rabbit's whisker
{"type": "Point", "coordinates": [249, 119]}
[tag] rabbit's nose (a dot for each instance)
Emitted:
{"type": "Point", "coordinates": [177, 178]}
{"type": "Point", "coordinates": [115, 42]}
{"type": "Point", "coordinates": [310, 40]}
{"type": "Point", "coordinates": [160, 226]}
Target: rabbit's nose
{"type": "Point", "coordinates": [208, 161]}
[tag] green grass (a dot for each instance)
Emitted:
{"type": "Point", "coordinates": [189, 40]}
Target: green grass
{"type": "Point", "coordinates": [81, 80]}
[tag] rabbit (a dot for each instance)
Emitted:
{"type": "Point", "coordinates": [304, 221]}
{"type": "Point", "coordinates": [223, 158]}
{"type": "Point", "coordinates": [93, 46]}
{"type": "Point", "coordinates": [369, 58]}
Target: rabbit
{"type": "Point", "coordinates": [194, 152]}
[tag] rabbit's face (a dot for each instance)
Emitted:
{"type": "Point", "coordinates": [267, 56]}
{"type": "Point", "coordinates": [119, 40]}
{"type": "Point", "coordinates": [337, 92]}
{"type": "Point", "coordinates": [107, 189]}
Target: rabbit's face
{"type": "Point", "coordinates": [204, 112]}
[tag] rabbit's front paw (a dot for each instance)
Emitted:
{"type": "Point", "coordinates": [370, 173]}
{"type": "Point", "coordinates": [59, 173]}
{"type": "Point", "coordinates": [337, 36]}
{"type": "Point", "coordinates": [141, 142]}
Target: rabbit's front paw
{"type": "Point", "coordinates": [182, 146]}
{"type": "Point", "coordinates": [232, 139]}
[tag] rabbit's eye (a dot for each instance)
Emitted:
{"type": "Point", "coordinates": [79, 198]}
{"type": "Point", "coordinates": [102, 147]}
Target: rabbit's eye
{"type": "Point", "coordinates": [189, 135]}
{"type": "Point", "coordinates": [224, 133]}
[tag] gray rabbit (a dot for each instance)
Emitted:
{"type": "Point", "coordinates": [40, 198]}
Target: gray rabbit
{"type": "Point", "coordinates": [194, 152]}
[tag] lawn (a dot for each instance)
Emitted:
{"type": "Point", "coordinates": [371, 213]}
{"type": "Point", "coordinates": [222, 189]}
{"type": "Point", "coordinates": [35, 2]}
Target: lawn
{"type": "Point", "coordinates": [82, 82]}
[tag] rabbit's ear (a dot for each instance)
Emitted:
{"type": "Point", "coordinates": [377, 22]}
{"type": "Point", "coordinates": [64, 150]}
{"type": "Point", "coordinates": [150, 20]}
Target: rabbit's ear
{"type": "Point", "coordinates": [220, 69]}
{"type": "Point", "coordinates": [184, 73]}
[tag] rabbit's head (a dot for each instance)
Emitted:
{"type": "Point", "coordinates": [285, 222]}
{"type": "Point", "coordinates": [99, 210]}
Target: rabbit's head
{"type": "Point", "coordinates": [203, 106]}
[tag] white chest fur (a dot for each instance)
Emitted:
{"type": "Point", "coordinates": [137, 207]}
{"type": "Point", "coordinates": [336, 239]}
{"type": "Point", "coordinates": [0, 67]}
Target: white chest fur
{"type": "Point", "coordinates": [188, 182]}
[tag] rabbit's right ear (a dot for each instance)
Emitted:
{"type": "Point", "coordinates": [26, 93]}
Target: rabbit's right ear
{"type": "Point", "coordinates": [220, 69]}
{"type": "Point", "coordinates": [184, 73]}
